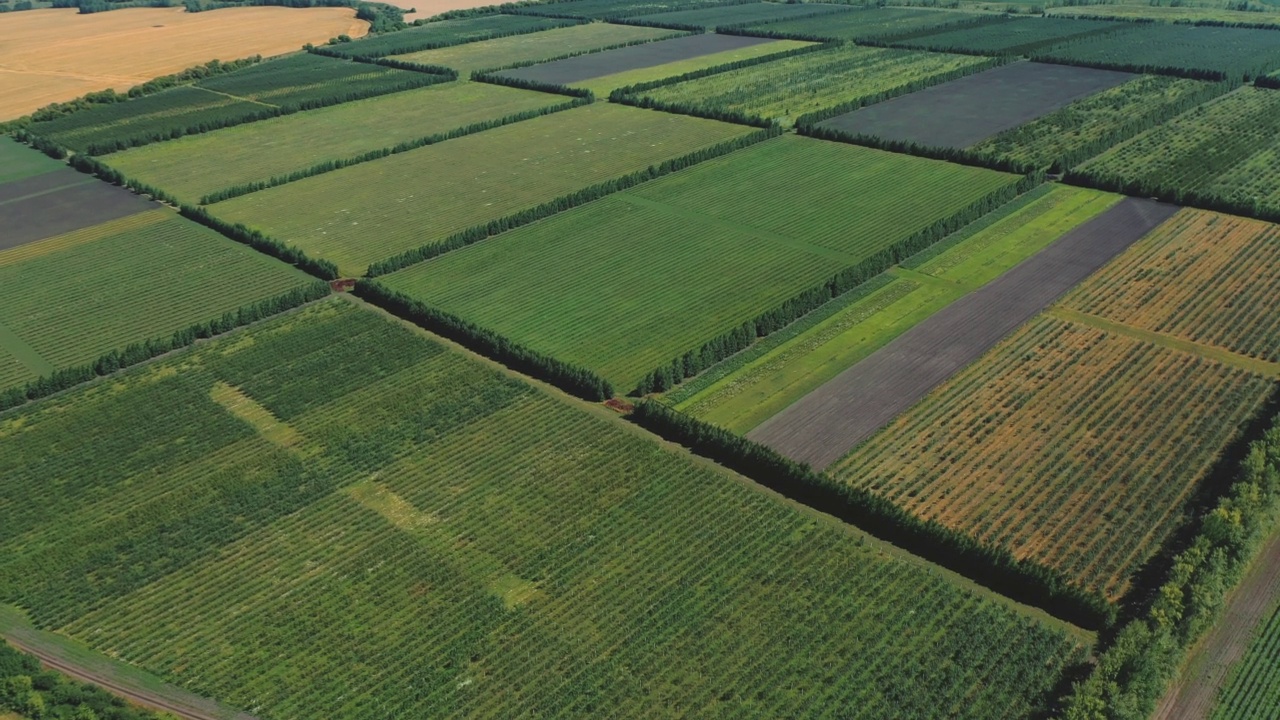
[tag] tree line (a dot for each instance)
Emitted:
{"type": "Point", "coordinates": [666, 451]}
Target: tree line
{"type": "Point", "coordinates": [411, 42]}
{"type": "Point", "coordinates": [31, 691]}
{"type": "Point", "coordinates": [571, 378]}
{"type": "Point", "coordinates": [1022, 580]}
{"type": "Point", "coordinates": [739, 338]}
{"type": "Point", "coordinates": [1134, 670]}
{"type": "Point", "coordinates": [136, 353]}
{"type": "Point", "coordinates": [477, 233]}
{"type": "Point", "coordinates": [331, 165]}
{"type": "Point", "coordinates": [960, 156]}
{"type": "Point", "coordinates": [496, 78]}
{"type": "Point", "coordinates": [1150, 188]}
{"type": "Point", "coordinates": [1271, 82]}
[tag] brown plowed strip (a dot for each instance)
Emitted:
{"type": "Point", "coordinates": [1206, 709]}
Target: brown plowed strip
{"type": "Point", "coordinates": [196, 708]}
{"type": "Point", "coordinates": [1194, 693]}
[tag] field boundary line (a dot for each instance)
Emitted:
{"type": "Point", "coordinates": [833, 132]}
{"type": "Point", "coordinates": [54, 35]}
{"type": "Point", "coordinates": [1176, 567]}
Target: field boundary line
{"type": "Point", "coordinates": [25, 354]}
{"type": "Point", "coordinates": [931, 280]}
{"type": "Point", "coordinates": [237, 97]}
{"type": "Point", "coordinates": [1208, 352]}
{"type": "Point", "coordinates": [759, 233]}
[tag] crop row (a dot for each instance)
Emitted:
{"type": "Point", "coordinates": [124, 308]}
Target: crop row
{"type": "Point", "coordinates": [488, 551]}
{"type": "Point", "coordinates": [1122, 453]}
{"type": "Point", "coordinates": [1253, 690]}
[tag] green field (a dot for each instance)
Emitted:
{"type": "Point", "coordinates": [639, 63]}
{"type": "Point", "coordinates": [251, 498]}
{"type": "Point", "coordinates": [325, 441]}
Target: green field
{"type": "Point", "coordinates": [598, 9]}
{"type": "Point", "coordinates": [1168, 13]}
{"type": "Point", "coordinates": [1228, 148]}
{"type": "Point", "coordinates": [742, 14]}
{"type": "Point", "coordinates": [194, 166]}
{"type": "Point", "coordinates": [1015, 36]}
{"type": "Point", "coordinates": [855, 327]}
{"type": "Point", "coordinates": [602, 86]}
{"type": "Point", "coordinates": [632, 281]}
{"type": "Point", "coordinates": [446, 33]}
{"type": "Point", "coordinates": [539, 46]}
{"type": "Point", "coordinates": [785, 89]}
{"type": "Point", "coordinates": [1253, 688]}
{"type": "Point", "coordinates": [328, 515]}
{"type": "Point", "coordinates": [1205, 52]}
{"type": "Point", "coordinates": [17, 162]}
{"type": "Point", "coordinates": [372, 211]}
{"type": "Point", "coordinates": [871, 23]}
{"type": "Point", "coordinates": [1085, 126]}
{"type": "Point", "coordinates": [68, 299]}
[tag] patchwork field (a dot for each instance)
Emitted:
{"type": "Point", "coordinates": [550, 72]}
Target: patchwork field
{"type": "Point", "coordinates": [57, 55]}
{"type": "Point", "coordinates": [604, 85]}
{"type": "Point", "coordinates": [192, 167]}
{"type": "Point", "coordinates": [1067, 444]}
{"type": "Point", "coordinates": [787, 88]}
{"type": "Point", "coordinates": [978, 106]}
{"type": "Point", "coordinates": [1203, 277]}
{"type": "Point", "coordinates": [874, 23]}
{"type": "Point", "coordinates": [256, 92]}
{"type": "Point", "coordinates": [749, 391]}
{"type": "Point", "coordinates": [611, 62]}
{"type": "Point", "coordinates": [1228, 148]}
{"type": "Point", "coordinates": [634, 280]}
{"type": "Point", "coordinates": [446, 33]}
{"type": "Point", "coordinates": [1086, 126]}
{"type": "Point", "coordinates": [819, 428]}
{"type": "Point", "coordinates": [1189, 50]}
{"type": "Point", "coordinates": [535, 47]}
{"type": "Point", "coordinates": [743, 14]}
{"type": "Point", "coordinates": [1014, 36]}
{"type": "Point", "coordinates": [69, 299]}
{"type": "Point", "coordinates": [58, 201]}
{"type": "Point", "coordinates": [383, 528]}
{"type": "Point", "coordinates": [372, 211]}
{"type": "Point", "coordinates": [598, 9]}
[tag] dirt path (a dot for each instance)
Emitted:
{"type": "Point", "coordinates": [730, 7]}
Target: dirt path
{"type": "Point", "coordinates": [1193, 694]}
{"type": "Point", "coordinates": [172, 699]}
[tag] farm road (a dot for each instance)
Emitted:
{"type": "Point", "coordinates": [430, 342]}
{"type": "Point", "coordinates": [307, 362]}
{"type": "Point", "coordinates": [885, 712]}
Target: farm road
{"type": "Point", "coordinates": [58, 202]}
{"type": "Point", "coordinates": [1194, 693]}
{"type": "Point", "coordinates": [636, 57]}
{"type": "Point", "coordinates": [824, 425]}
{"type": "Point", "coordinates": [962, 112]}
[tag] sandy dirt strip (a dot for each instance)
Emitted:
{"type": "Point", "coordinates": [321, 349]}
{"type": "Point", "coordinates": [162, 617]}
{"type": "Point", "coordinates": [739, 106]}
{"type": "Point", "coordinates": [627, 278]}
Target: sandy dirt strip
{"type": "Point", "coordinates": [962, 112]}
{"type": "Point", "coordinates": [824, 425]}
{"type": "Point", "coordinates": [636, 57]}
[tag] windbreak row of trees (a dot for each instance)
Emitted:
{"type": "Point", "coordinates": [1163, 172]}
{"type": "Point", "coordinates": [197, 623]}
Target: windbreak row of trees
{"type": "Point", "coordinates": [577, 53]}
{"type": "Point", "coordinates": [135, 353]}
{"type": "Point", "coordinates": [1025, 581]}
{"type": "Point", "coordinates": [565, 202]}
{"type": "Point", "coordinates": [669, 375]}
{"type": "Point", "coordinates": [497, 78]}
{"type": "Point", "coordinates": [33, 692]}
{"type": "Point", "coordinates": [571, 378]}
{"type": "Point", "coordinates": [1150, 188]}
{"type": "Point", "coordinates": [1134, 671]}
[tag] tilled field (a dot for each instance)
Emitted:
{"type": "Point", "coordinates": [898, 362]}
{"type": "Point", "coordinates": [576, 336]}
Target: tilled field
{"type": "Point", "coordinates": [59, 202]}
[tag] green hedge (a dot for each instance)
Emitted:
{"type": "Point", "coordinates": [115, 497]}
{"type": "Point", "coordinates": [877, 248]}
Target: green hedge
{"type": "Point", "coordinates": [1188, 198]}
{"type": "Point", "coordinates": [960, 156]}
{"type": "Point", "coordinates": [497, 78]}
{"type": "Point", "coordinates": [31, 691]}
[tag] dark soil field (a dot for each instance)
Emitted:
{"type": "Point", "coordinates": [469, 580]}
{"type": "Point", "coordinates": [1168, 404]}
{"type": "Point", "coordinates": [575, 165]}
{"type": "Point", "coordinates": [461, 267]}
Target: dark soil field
{"type": "Point", "coordinates": [965, 111]}
{"type": "Point", "coordinates": [636, 57]}
{"type": "Point", "coordinates": [824, 425]}
{"type": "Point", "coordinates": [46, 205]}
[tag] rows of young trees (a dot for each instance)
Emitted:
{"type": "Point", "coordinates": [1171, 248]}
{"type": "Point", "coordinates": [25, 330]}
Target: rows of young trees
{"type": "Point", "coordinates": [571, 378]}
{"type": "Point", "coordinates": [960, 156]}
{"type": "Point", "coordinates": [1134, 670]}
{"type": "Point", "coordinates": [584, 51]}
{"type": "Point", "coordinates": [565, 202]}
{"type": "Point", "coordinates": [433, 35]}
{"type": "Point", "coordinates": [331, 165]}
{"type": "Point", "coordinates": [669, 375]}
{"type": "Point", "coordinates": [851, 27]}
{"type": "Point", "coordinates": [31, 691]}
{"type": "Point", "coordinates": [135, 353]}
{"type": "Point", "coordinates": [1148, 187]}
{"type": "Point", "coordinates": [1024, 581]}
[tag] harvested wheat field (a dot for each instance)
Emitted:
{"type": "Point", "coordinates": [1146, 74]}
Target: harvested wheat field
{"type": "Point", "coordinates": [56, 55]}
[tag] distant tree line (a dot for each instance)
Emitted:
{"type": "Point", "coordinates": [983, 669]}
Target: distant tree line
{"type": "Point", "coordinates": [571, 378]}
{"type": "Point", "coordinates": [1025, 581]}
{"type": "Point", "coordinates": [1151, 188]}
{"type": "Point", "coordinates": [1271, 82]}
{"type": "Point", "coordinates": [331, 165]}
{"type": "Point", "coordinates": [642, 22]}
{"type": "Point", "coordinates": [1139, 68]}
{"type": "Point", "coordinates": [1204, 22]}
{"type": "Point", "coordinates": [718, 348]}
{"type": "Point", "coordinates": [960, 156]}
{"type": "Point", "coordinates": [323, 269]}
{"type": "Point", "coordinates": [135, 353]}
{"type": "Point", "coordinates": [480, 232]}
{"type": "Point", "coordinates": [411, 42]}
{"type": "Point", "coordinates": [497, 78]}
{"type": "Point", "coordinates": [1135, 667]}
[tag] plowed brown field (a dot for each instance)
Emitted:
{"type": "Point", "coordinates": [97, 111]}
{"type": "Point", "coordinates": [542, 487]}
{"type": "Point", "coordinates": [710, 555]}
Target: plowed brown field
{"type": "Point", "coordinates": [56, 55]}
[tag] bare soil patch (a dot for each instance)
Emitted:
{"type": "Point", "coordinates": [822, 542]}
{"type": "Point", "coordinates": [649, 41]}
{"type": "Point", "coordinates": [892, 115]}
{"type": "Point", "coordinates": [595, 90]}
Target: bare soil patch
{"type": "Point", "coordinates": [37, 215]}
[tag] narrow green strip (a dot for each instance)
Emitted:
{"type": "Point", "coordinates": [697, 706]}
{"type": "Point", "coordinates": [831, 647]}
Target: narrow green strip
{"type": "Point", "coordinates": [25, 354]}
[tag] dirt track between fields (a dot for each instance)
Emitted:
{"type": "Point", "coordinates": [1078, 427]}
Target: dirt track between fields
{"type": "Point", "coordinates": [824, 425]}
{"type": "Point", "coordinates": [1193, 693]}
{"type": "Point", "coordinates": [636, 57]}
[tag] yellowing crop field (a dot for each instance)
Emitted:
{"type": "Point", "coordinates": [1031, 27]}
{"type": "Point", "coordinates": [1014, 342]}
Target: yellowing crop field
{"type": "Point", "coordinates": [55, 55]}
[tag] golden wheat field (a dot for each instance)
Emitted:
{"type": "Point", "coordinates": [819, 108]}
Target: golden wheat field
{"type": "Point", "coordinates": [50, 56]}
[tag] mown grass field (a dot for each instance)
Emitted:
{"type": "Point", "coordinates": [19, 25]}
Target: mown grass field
{"type": "Point", "coordinates": [1084, 124]}
{"type": "Point", "coordinates": [785, 89]}
{"type": "Point", "coordinates": [372, 211]}
{"type": "Point", "coordinates": [17, 162]}
{"type": "Point", "coordinates": [851, 330]}
{"type": "Point", "coordinates": [1228, 147]}
{"type": "Point", "coordinates": [1067, 444]}
{"type": "Point", "coordinates": [631, 281]}
{"type": "Point", "coordinates": [1253, 688]}
{"type": "Point", "coordinates": [68, 299]}
{"type": "Point", "coordinates": [872, 23]}
{"type": "Point", "coordinates": [192, 167]}
{"type": "Point", "coordinates": [532, 47]}
{"type": "Point", "coordinates": [1204, 277]}
{"type": "Point", "coordinates": [383, 528]}
{"type": "Point", "coordinates": [602, 86]}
